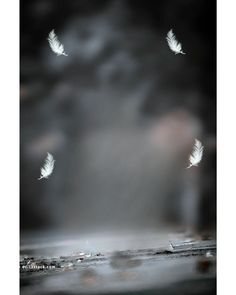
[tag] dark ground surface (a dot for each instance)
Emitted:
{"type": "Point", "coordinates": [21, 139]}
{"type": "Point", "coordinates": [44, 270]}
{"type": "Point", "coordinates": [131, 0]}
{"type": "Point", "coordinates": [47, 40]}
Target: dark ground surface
{"type": "Point", "coordinates": [186, 267]}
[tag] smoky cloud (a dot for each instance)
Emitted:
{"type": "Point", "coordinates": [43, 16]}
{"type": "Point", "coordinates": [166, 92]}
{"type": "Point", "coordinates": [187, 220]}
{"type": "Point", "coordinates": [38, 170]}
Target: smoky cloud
{"type": "Point", "coordinates": [119, 115]}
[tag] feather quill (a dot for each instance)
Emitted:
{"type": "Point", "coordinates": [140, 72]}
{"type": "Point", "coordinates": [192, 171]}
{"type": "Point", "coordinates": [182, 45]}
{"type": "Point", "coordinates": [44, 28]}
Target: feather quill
{"type": "Point", "coordinates": [55, 44]}
{"type": "Point", "coordinates": [196, 156]}
{"type": "Point", "coordinates": [173, 43]}
{"type": "Point", "coordinates": [48, 167]}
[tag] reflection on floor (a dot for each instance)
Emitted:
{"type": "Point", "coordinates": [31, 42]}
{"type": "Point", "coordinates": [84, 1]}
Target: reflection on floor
{"type": "Point", "coordinates": [142, 264]}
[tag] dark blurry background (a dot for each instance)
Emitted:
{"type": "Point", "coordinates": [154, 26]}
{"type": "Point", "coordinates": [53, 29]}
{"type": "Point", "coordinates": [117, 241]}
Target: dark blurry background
{"type": "Point", "coordinates": [119, 114]}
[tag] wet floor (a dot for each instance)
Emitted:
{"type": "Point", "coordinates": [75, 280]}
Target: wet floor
{"type": "Point", "coordinates": [164, 269]}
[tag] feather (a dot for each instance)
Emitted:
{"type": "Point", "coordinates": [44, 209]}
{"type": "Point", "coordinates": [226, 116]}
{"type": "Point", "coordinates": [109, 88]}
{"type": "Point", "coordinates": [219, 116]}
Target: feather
{"type": "Point", "coordinates": [173, 43]}
{"type": "Point", "coordinates": [196, 156]}
{"type": "Point", "coordinates": [48, 167]}
{"type": "Point", "coordinates": [55, 44]}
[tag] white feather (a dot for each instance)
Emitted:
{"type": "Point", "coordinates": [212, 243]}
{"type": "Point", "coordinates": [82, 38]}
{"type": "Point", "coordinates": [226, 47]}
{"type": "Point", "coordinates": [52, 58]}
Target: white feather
{"type": "Point", "coordinates": [196, 156]}
{"type": "Point", "coordinates": [48, 167]}
{"type": "Point", "coordinates": [173, 43]}
{"type": "Point", "coordinates": [55, 44]}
